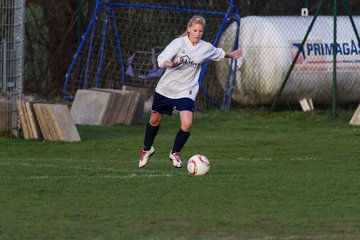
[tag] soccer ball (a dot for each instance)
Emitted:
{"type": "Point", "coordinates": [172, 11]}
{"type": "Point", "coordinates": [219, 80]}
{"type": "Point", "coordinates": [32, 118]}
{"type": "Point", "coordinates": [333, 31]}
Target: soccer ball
{"type": "Point", "coordinates": [198, 165]}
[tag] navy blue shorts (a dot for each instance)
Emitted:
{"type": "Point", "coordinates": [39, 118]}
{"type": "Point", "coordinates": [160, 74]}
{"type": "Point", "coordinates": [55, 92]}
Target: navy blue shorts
{"type": "Point", "coordinates": [164, 105]}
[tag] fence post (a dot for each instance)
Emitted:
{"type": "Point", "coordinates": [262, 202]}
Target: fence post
{"type": "Point", "coordinates": [334, 60]}
{"type": "Point", "coordinates": [4, 60]}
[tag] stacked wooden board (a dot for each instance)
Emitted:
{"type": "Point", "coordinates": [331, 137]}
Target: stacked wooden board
{"type": "Point", "coordinates": [5, 115]}
{"type": "Point", "coordinates": [28, 121]}
{"type": "Point", "coordinates": [51, 122]}
{"type": "Point", "coordinates": [107, 107]}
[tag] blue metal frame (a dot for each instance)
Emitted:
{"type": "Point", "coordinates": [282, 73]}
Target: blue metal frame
{"type": "Point", "coordinates": [77, 54]}
{"type": "Point", "coordinates": [89, 55]}
{"type": "Point", "coordinates": [166, 8]}
{"type": "Point", "coordinates": [102, 51]}
{"type": "Point", "coordinates": [102, 4]}
{"type": "Point", "coordinates": [232, 68]}
{"type": "Point", "coordinates": [118, 42]}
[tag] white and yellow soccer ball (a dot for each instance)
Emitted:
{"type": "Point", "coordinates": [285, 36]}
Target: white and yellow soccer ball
{"type": "Point", "coordinates": [198, 165]}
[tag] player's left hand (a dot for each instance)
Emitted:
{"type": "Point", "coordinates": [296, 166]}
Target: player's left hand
{"type": "Point", "coordinates": [236, 54]}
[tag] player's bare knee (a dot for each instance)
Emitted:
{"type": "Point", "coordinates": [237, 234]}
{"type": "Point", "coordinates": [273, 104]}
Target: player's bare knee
{"type": "Point", "coordinates": [155, 119]}
{"type": "Point", "coordinates": [186, 126]}
{"type": "Point", "coordinates": [154, 122]}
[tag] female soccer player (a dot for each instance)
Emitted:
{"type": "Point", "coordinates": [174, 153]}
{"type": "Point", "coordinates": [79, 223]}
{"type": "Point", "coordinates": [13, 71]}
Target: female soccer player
{"type": "Point", "coordinates": [178, 86]}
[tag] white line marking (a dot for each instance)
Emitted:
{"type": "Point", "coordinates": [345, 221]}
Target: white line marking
{"type": "Point", "coordinates": [133, 175]}
{"type": "Point", "coordinates": [141, 174]}
{"type": "Point", "coordinates": [67, 167]}
{"type": "Point", "coordinates": [273, 159]}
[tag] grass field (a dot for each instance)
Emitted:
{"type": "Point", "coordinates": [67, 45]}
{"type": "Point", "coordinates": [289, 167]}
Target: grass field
{"type": "Point", "coordinates": [285, 175]}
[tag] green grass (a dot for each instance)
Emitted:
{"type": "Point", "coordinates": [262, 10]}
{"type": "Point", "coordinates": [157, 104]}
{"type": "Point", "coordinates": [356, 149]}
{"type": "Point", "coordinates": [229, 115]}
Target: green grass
{"type": "Point", "coordinates": [285, 175]}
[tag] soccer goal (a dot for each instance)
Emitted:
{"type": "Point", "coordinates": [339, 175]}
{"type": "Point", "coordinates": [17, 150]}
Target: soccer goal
{"type": "Point", "coordinates": [123, 40]}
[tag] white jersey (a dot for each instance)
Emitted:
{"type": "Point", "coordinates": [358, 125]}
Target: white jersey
{"type": "Point", "coordinates": [182, 81]}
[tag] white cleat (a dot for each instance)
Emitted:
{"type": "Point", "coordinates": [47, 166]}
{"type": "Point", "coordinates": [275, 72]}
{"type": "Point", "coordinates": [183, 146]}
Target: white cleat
{"type": "Point", "coordinates": [145, 155]}
{"type": "Point", "coordinates": [176, 160]}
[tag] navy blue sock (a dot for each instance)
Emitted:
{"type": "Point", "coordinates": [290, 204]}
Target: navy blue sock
{"type": "Point", "coordinates": [150, 134]}
{"type": "Point", "coordinates": [180, 140]}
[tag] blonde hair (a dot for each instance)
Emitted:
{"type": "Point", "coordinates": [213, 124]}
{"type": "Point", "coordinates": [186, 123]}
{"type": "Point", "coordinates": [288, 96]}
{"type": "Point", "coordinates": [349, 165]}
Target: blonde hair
{"type": "Point", "coordinates": [196, 19]}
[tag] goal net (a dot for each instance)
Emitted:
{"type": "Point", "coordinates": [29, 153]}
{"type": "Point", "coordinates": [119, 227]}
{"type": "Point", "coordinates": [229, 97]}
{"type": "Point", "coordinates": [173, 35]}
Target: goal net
{"type": "Point", "coordinates": [123, 40]}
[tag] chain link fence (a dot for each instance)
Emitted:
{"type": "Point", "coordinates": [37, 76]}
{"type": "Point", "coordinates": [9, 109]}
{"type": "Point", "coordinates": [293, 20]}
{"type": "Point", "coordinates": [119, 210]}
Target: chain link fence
{"type": "Point", "coordinates": [288, 50]}
{"type": "Point", "coordinates": [279, 66]}
{"type": "Point", "coordinates": [11, 62]}
{"type": "Point", "coordinates": [271, 35]}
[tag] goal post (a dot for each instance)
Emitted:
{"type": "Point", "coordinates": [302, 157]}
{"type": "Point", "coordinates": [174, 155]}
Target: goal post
{"type": "Point", "coordinates": [123, 40]}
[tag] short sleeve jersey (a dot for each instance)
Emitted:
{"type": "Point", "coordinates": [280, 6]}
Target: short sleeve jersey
{"type": "Point", "coordinates": [182, 81]}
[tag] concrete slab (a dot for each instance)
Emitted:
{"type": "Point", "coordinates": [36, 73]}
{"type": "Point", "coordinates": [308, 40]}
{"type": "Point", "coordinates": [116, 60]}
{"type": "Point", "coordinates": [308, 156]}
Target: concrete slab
{"type": "Point", "coordinates": [124, 107]}
{"type": "Point", "coordinates": [304, 105]}
{"type": "Point", "coordinates": [42, 122]}
{"type": "Point", "coordinates": [89, 107]}
{"type": "Point", "coordinates": [53, 136]}
{"type": "Point", "coordinates": [355, 120]}
{"type": "Point", "coordinates": [50, 123]}
{"type": "Point", "coordinates": [139, 112]}
{"type": "Point", "coordinates": [144, 95]}
{"type": "Point", "coordinates": [114, 106]}
{"type": "Point", "coordinates": [63, 123]}
{"type": "Point", "coordinates": [143, 91]}
{"type": "Point", "coordinates": [135, 97]}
